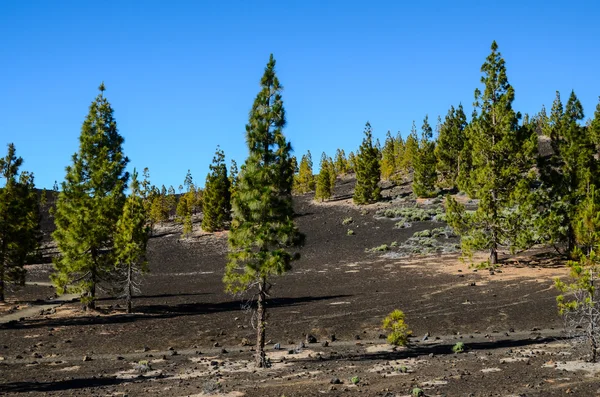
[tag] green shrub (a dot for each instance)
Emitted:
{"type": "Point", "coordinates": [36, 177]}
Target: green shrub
{"type": "Point", "coordinates": [459, 347]}
{"type": "Point", "coordinates": [399, 331]}
{"type": "Point", "coordinates": [416, 392]}
{"type": "Point", "coordinates": [350, 232]}
{"type": "Point", "coordinates": [423, 233]}
{"type": "Point", "coordinates": [394, 244]}
{"type": "Point", "coordinates": [381, 248]}
{"type": "Point", "coordinates": [347, 221]}
{"type": "Point", "coordinates": [355, 380]}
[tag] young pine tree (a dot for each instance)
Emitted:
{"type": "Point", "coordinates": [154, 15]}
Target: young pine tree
{"type": "Point", "coordinates": [425, 176]}
{"type": "Point", "coordinates": [367, 171]}
{"type": "Point", "coordinates": [263, 229]}
{"type": "Point", "coordinates": [90, 204]}
{"type": "Point", "coordinates": [217, 195]}
{"type": "Point", "coordinates": [19, 220]}
{"type": "Point", "coordinates": [131, 239]}
{"type": "Point", "coordinates": [450, 144]}
{"type": "Point", "coordinates": [503, 157]}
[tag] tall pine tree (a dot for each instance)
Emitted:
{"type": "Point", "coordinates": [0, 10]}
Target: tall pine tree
{"type": "Point", "coordinates": [502, 153]}
{"type": "Point", "coordinates": [217, 195]}
{"type": "Point", "coordinates": [90, 204]}
{"type": "Point", "coordinates": [367, 170]}
{"type": "Point", "coordinates": [263, 229]}
{"type": "Point", "coordinates": [19, 220]}
{"type": "Point", "coordinates": [450, 144]}
{"type": "Point", "coordinates": [425, 175]}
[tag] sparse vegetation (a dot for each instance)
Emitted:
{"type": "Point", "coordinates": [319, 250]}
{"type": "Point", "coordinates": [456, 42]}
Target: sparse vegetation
{"type": "Point", "coordinates": [459, 347]}
{"type": "Point", "coordinates": [350, 232]}
{"type": "Point", "coordinates": [347, 221]}
{"type": "Point", "coordinates": [399, 332]}
{"type": "Point", "coordinates": [380, 248]}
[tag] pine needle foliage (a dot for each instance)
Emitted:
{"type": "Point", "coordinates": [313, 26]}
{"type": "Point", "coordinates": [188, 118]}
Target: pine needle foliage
{"type": "Point", "coordinates": [367, 170]}
{"type": "Point", "coordinates": [502, 153]}
{"type": "Point", "coordinates": [263, 229]}
{"type": "Point", "coordinates": [90, 204]}
{"type": "Point", "coordinates": [217, 195]}
{"type": "Point", "coordinates": [19, 221]}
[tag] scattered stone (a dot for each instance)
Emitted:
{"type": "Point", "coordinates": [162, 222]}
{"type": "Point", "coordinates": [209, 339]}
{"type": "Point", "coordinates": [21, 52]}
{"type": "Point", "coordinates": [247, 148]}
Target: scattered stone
{"type": "Point", "coordinates": [245, 342]}
{"type": "Point", "coordinates": [425, 337]}
{"type": "Point", "coordinates": [223, 351]}
{"type": "Point", "coordinates": [87, 358]}
{"type": "Point", "coordinates": [311, 339]}
{"type": "Point", "coordinates": [333, 339]}
{"type": "Point", "coordinates": [357, 337]}
{"type": "Point", "coordinates": [335, 381]}
{"type": "Point", "coordinates": [216, 344]}
{"type": "Point", "coordinates": [325, 344]}
{"type": "Point", "coordinates": [277, 346]}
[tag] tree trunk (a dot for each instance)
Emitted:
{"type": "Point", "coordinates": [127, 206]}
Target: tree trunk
{"type": "Point", "coordinates": [493, 256]}
{"type": "Point", "coordinates": [91, 304]}
{"type": "Point", "coordinates": [260, 328]}
{"type": "Point", "coordinates": [128, 296]}
{"type": "Point", "coordinates": [591, 309]}
{"type": "Point", "coordinates": [2, 282]}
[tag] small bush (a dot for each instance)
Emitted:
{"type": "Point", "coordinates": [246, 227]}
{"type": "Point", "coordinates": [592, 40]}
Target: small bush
{"type": "Point", "coordinates": [416, 392]}
{"type": "Point", "coordinates": [459, 347]}
{"type": "Point", "coordinates": [350, 232]}
{"type": "Point", "coordinates": [399, 329]}
{"type": "Point", "coordinates": [211, 387]}
{"type": "Point", "coordinates": [423, 233]}
{"type": "Point", "coordinates": [381, 248]}
{"type": "Point", "coordinates": [347, 221]}
{"type": "Point", "coordinates": [355, 380]}
{"type": "Point", "coordinates": [143, 366]}
{"type": "Point", "coordinates": [394, 244]}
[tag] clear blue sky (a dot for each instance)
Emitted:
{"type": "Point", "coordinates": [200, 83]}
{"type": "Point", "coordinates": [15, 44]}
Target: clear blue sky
{"type": "Point", "coordinates": [182, 75]}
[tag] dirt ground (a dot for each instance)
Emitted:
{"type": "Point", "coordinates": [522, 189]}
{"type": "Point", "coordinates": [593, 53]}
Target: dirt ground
{"type": "Point", "coordinates": [188, 338]}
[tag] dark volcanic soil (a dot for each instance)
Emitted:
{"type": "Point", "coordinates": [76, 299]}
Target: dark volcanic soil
{"type": "Point", "coordinates": [191, 332]}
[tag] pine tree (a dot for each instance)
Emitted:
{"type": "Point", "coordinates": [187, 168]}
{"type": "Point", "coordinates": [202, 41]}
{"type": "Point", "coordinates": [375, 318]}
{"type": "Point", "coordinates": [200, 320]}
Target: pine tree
{"type": "Point", "coordinates": [425, 175]}
{"type": "Point", "coordinates": [90, 204]}
{"type": "Point", "coordinates": [594, 126]}
{"type": "Point", "coordinates": [411, 150]}
{"type": "Point", "coordinates": [131, 239]}
{"type": "Point", "coordinates": [263, 229]}
{"type": "Point", "coordinates": [368, 172]}
{"type": "Point", "coordinates": [233, 175]}
{"type": "Point", "coordinates": [450, 144]}
{"type": "Point", "coordinates": [352, 162]}
{"type": "Point", "coordinates": [340, 162]}
{"type": "Point", "coordinates": [305, 181]}
{"type": "Point", "coordinates": [566, 172]}
{"type": "Point", "coordinates": [217, 199]}
{"type": "Point", "coordinates": [579, 301]}
{"type": "Point", "coordinates": [19, 220]}
{"type": "Point", "coordinates": [159, 208]}
{"type": "Point", "coordinates": [502, 155]}
{"type": "Point", "coordinates": [388, 157]}
{"type": "Point", "coordinates": [324, 189]}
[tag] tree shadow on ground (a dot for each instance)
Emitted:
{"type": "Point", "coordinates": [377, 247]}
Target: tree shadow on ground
{"type": "Point", "coordinates": [441, 349]}
{"type": "Point", "coordinates": [545, 260]}
{"type": "Point", "coordinates": [63, 385]}
{"type": "Point", "coordinates": [149, 312]}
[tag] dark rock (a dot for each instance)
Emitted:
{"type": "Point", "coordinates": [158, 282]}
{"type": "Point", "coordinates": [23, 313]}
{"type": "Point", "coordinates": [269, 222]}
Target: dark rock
{"type": "Point", "coordinates": [311, 339]}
